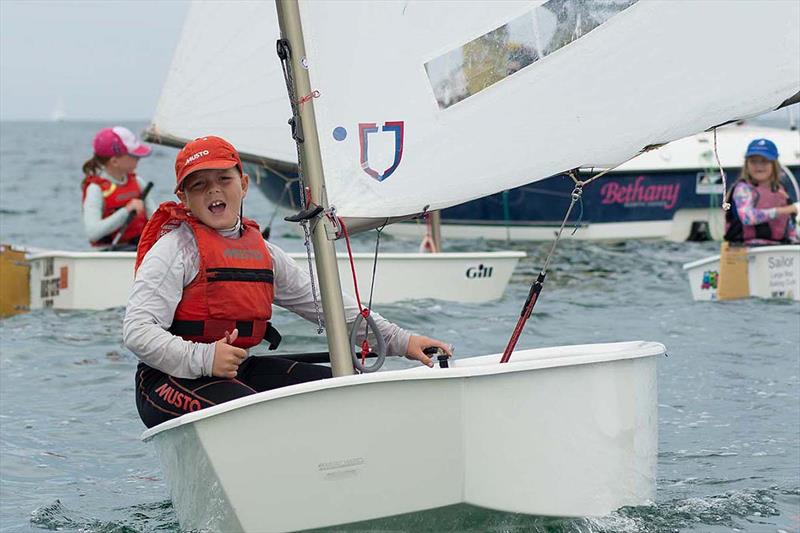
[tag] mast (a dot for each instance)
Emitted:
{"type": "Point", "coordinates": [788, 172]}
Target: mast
{"type": "Point", "coordinates": [436, 229]}
{"type": "Point", "coordinates": [311, 163]}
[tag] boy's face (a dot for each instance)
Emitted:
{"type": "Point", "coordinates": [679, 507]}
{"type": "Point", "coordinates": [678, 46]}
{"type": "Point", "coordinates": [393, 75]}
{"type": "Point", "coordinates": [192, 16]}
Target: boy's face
{"type": "Point", "coordinates": [214, 196]}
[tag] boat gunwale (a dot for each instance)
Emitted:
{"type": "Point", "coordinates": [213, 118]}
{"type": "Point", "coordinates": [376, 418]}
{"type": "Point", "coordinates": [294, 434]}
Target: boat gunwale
{"type": "Point", "coordinates": [506, 254]}
{"type": "Point", "coordinates": [548, 357]}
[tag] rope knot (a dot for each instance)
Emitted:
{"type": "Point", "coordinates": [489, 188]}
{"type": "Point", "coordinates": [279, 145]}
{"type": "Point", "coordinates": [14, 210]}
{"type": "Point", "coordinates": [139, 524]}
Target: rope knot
{"type": "Point", "coordinates": [365, 312]}
{"type": "Point", "coordinates": [364, 351]}
{"type": "Point", "coordinates": [308, 97]}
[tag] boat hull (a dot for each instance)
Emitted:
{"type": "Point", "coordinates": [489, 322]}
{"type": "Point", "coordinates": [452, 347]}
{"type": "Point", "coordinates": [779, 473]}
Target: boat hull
{"type": "Point", "coordinates": [772, 272]}
{"type": "Point", "coordinates": [568, 431]}
{"type": "Point", "coordinates": [102, 280]}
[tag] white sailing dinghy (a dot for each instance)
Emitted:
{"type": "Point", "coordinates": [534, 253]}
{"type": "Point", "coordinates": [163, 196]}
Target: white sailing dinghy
{"type": "Point", "coordinates": [251, 113]}
{"type": "Point", "coordinates": [565, 431]}
{"type": "Point", "coordinates": [61, 279]}
{"type": "Point", "coordinates": [772, 272]}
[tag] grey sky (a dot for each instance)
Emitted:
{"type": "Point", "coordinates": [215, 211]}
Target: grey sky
{"type": "Point", "coordinates": [103, 59]}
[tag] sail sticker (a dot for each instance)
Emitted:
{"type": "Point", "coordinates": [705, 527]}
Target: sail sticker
{"type": "Point", "coordinates": [710, 280]}
{"type": "Point", "coordinates": [339, 133]}
{"type": "Point", "coordinates": [365, 129]}
{"type": "Point", "coordinates": [496, 55]}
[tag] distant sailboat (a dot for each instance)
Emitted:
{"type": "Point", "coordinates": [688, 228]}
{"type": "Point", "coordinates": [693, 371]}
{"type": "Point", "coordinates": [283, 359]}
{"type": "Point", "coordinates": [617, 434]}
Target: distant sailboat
{"type": "Point", "coordinates": [58, 114]}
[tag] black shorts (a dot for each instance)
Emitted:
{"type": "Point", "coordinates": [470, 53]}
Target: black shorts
{"type": "Point", "coordinates": [161, 397]}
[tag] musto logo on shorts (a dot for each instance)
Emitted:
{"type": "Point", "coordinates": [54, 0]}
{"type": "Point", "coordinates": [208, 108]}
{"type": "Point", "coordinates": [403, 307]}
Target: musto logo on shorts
{"type": "Point", "coordinates": [178, 399]}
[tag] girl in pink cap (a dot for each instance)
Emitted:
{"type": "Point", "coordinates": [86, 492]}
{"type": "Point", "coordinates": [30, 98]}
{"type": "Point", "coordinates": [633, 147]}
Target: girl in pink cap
{"type": "Point", "coordinates": [112, 191]}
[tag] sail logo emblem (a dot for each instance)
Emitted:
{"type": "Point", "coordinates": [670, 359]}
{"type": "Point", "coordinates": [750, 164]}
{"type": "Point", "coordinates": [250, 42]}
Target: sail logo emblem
{"type": "Point", "coordinates": [365, 130]}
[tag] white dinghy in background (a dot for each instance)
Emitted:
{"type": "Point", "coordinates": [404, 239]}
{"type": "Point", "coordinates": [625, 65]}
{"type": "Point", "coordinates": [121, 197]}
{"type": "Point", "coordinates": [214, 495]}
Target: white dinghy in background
{"type": "Point", "coordinates": [569, 431]}
{"type": "Point", "coordinates": [772, 272]}
{"type": "Point", "coordinates": [102, 280]}
{"type": "Point", "coordinates": [558, 431]}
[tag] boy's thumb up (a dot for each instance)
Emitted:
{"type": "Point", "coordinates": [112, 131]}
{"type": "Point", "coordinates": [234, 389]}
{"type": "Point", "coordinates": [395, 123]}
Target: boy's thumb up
{"type": "Point", "coordinates": [230, 338]}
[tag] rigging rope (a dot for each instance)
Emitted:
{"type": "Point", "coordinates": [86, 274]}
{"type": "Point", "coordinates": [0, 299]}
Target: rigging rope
{"type": "Point", "coordinates": [268, 230]}
{"type": "Point", "coordinates": [375, 264]}
{"type": "Point", "coordinates": [725, 204]}
{"type": "Point", "coordinates": [365, 348]}
{"type": "Point", "coordinates": [306, 98]}
{"type": "Point", "coordinates": [536, 287]}
{"type": "Point", "coordinates": [284, 53]}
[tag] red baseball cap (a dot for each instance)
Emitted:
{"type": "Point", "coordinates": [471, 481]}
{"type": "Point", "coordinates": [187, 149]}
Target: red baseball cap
{"type": "Point", "coordinates": [116, 141]}
{"type": "Point", "coordinates": [204, 153]}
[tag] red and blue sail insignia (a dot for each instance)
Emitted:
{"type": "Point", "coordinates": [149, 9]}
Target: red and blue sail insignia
{"type": "Point", "coordinates": [364, 130]}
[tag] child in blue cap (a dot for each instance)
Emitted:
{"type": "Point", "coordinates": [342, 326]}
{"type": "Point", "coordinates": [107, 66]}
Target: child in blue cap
{"type": "Point", "coordinates": [761, 211]}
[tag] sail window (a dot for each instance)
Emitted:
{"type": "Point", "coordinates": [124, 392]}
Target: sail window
{"type": "Point", "coordinates": [484, 61]}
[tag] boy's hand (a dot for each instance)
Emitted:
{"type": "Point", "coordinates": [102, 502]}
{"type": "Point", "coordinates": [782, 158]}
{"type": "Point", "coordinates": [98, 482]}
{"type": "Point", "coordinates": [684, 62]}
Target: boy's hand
{"type": "Point", "coordinates": [417, 343]}
{"type": "Point", "coordinates": [227, 358]}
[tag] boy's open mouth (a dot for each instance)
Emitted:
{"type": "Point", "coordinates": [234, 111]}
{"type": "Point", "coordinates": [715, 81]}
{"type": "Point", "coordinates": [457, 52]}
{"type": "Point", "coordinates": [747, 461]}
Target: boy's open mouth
{"type": "Point", "coordinates": [217, 207]}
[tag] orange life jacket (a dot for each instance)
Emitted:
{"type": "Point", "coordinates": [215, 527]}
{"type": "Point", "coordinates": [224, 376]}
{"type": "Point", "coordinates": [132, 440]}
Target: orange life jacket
{"type": "Point", "coordinates": [115, 197]}
{"type": "Point", "coordinates": [233, 287]}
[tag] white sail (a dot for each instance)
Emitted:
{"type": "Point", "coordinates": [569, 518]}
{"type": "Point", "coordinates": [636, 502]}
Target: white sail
{"type": "Point", "coordinates": [226, 80]}
{"type": "Point", "coordinates": [437, 76]}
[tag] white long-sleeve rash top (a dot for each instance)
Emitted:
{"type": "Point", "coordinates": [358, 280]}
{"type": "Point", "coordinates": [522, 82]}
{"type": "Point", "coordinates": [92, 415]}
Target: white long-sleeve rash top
{"type": "Point", "coordinates": [95, 225]}
{"type": "Point", "coordinates": [171, 264]}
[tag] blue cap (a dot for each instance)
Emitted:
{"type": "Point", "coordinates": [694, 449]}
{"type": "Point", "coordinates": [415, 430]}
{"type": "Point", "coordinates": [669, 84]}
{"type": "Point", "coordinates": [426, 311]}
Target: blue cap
{"type": "Point", "coordinates": [764, 148]}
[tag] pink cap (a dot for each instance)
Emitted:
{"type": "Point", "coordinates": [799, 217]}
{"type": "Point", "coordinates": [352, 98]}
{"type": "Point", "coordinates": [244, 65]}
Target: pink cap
{"type": "Point", "coordinates": [110, 142]}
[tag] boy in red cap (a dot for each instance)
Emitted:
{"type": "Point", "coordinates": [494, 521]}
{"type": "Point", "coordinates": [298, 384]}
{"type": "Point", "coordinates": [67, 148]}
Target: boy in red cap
{"type": "Point", "coordinates": [205, 284]}
{"type": "Point", "coordinates": [112, 190]}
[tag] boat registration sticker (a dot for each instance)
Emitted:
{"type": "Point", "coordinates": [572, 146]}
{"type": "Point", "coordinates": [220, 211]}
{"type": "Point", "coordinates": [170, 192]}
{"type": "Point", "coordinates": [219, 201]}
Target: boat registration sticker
{"type": "Point", "coordinates": [63, 279]}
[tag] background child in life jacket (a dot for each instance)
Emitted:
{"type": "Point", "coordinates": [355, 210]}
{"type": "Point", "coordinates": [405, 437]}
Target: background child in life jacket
{"type": "Point", "coordinates": [112, 190]}
{"type": "Point", "coordinates": [761, 212]}
{"type": "Point", "coordinates": [203, 293]}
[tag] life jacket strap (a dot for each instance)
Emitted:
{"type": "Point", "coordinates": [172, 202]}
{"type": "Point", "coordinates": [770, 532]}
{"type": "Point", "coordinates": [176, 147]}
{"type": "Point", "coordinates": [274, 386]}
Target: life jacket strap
{"type": "Point", "coordinates": [215, 329]}
{"type": "Point", "coordinates": [272, 336]}
{"type": "Point", "coordinates": [260, 275]}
